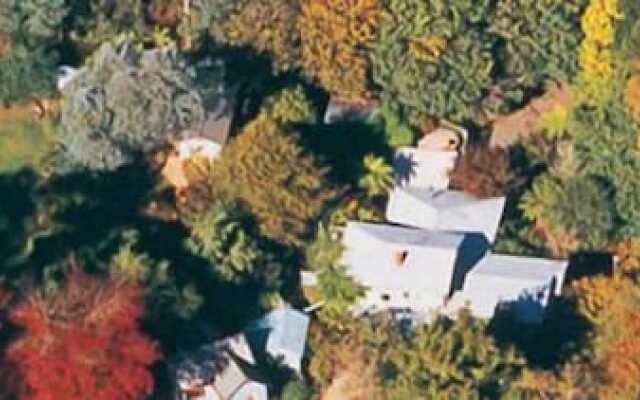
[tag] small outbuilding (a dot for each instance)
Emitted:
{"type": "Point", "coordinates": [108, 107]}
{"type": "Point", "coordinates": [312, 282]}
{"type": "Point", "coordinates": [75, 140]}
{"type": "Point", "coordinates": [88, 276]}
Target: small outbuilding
{"type": "Point", "coordinates": [282, 335]}
{"type": "Point", "coordinates": [224, 370]}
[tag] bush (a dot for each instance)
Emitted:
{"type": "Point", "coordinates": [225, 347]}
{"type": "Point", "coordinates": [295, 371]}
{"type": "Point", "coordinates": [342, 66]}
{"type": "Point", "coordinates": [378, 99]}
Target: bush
{"type": "Point", "coordinates": [432, 61]}
{"type": "Point", "coordinates": [483, 172]}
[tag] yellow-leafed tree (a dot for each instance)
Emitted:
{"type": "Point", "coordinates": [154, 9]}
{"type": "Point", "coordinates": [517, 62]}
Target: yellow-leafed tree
{"type": "Point", "coordinates": [333, 34]}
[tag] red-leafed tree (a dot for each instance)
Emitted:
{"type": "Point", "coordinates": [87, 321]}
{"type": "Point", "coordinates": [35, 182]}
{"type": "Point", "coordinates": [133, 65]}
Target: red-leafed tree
{"type": "Point", "coordinates": [83, 342]}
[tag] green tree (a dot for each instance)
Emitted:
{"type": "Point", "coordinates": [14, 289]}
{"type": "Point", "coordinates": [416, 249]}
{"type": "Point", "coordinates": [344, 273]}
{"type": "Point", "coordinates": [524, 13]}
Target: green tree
{"type": "Point", "coordinates": [95, 22]}
{"type": "Point", "coordinates": [449, 359]}
{"type": "Point", "coordinates": [433, 57]}
{"type": "Point", "coordinates": [539, 39]}
{"type": "Point", "coordinates": [164, 296]}
{"type": "Point", "coordinates": [28, 64]}
{"type": "Point", "coordinates": [223, 235]}
{"type": "Point", "coordinates": [579, 208]}
{"type": "Point", "coordinates": [338, 292]}
{"type": "Point", "coordinates": [124, 102]}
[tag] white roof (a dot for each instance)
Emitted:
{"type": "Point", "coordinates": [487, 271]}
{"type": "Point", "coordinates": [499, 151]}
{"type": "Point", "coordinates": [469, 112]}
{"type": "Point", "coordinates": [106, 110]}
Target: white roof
{"type": "Point", "coordinates": [198, 146]}
{"type": "Point", "coordinates": [526, 284]}
{"type": "Point", "coordinates": [424, 168]}
{"type": "Point", "coordinates": [445, 210]}
{"type": "Point", "coordinates": [430, 258]}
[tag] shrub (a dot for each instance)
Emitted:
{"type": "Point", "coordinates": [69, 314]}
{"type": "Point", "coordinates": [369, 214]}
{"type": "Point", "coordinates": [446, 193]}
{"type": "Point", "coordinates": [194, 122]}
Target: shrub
{"type": "Point", "coordinates": [82, 342]}
{"type": "Point", "coordinates": [333, 36]}
{"type": "Point", "coordinates": [124, 102]}
{"type": "Point", "coordinates": [432, 61]}
{"type": "Point", "coordinates": [483, 172]}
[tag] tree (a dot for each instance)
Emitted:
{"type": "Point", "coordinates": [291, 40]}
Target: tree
{"type": "Point", "coordinates": [125, 102]}
{"type": "Point", "coordinates": [430, 60]}
{"type": "Point", "coordinates": [345, 363]}
{"type": "Point", "coordinates": [333, 36]}
{"type": "Point", "coordinates": [266, 168]}
{"type": "Point", "coordinates": [224, 236]}
{"type": "Point", "coordinates": [540, 39]}
{"type": "Point", "coordinates": [82, 342]}
{"type": "Point", "coordinates": [268, 26]}
{"type": "Point", "coordinates": [573, 214]}
{"type": "Point", "coordinates": [597, 65]}
{"type": "Point", "coordinates": [209, 18]}
{"type": "Point", "coordinates": [96, 22]}
{"type": "Point", "coordinates": [31, 29]}
{"type": "Point", "coordinates": [338, 292]}
{"type": "Point", "coordinates": [449, 359]}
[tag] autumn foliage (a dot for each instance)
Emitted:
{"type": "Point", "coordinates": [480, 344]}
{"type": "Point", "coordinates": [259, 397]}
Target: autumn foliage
{"type": "Point", "coordinates": [333, 36]}
{"type": "Point", "coordinates": [83, 342]}
{"type": "Point", "coordinates": [483, 172]}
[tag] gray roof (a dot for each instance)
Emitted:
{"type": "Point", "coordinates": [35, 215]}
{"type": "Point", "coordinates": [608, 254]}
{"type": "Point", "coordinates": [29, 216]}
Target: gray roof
{"type": "Point", "coordinates": [286, 335]}
{"type": "Point", "coordinates": [225, 365]}
{"type": "Point", "coordinates": [343, 110]}
{"type": "Point", "coordinates": [402, 235]}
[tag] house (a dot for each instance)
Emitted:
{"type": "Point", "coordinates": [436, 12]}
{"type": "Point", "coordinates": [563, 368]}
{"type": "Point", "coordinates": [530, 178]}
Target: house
{"type": "Point", "coordinates": [282, 335]}
{"type": "Point", "coordinates": [402, 267]}
{"type": "Point", "coordinates": [223, 370]}
{"type": "Point", "coordinates": [445, 210]}
{"type": "Point", "coordinates": [434, 255]}
{"type": "Point", "coordinates": [525, 285]}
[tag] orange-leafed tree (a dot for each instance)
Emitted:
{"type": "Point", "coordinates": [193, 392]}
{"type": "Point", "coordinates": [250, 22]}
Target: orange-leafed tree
{"type": "Point", "coordinates": [82, 341]}
{"type": "Point", "coordinates": [334, 34]}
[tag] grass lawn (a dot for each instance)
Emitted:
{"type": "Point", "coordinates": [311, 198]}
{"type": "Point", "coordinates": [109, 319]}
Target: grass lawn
{"type": "Point", "coordinates": [25, 142]}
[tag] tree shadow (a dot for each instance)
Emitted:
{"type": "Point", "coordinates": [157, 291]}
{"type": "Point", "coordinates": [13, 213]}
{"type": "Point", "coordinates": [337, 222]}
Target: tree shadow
{"type": "Point", "coordinates": [561, 335]}
{"type": "Point", "coordinates": [343, 146]}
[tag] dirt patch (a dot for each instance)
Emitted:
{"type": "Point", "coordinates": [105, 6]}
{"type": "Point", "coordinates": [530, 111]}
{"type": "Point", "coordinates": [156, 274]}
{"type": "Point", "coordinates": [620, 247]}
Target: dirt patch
{"type": "Point", "coordinates": [509, 129]}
